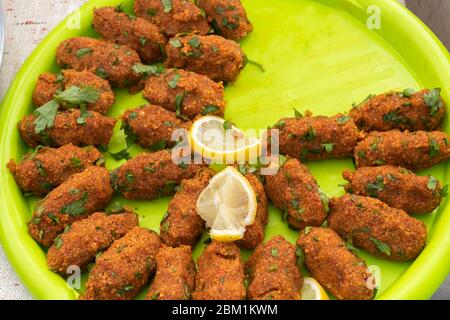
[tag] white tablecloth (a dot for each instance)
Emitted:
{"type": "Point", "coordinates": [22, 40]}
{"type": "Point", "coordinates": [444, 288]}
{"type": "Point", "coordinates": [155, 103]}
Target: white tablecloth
{"type": "Point", "coordinates": [27, 22]}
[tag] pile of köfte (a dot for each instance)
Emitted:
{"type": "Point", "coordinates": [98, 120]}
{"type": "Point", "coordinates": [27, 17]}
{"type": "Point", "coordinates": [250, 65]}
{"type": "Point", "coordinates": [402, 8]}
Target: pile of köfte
{"type": "Point", "coordinates": [389, 135]}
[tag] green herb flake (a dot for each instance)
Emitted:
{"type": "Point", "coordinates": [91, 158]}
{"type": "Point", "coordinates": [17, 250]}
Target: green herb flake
{"type": "Point", "coordinates": [151, 12]}
{"type": "Point", "coordinates": [343, 119]}
{"type": "Point", "coordinates": [174, 82]}
{"type": "Point", "coordinates": [307, 230]}
{"type": "Point", "coordinates": [83, 52]}
{"type": "Point", "coordinates": [167, 5]}
{"type": "Point", "coordinates": [300, 256]}
{"type": "Point", "coordinates": [381, 246]}
{"type": "Point", "coordinates": [380, 162]}
{"type": "Point", "coordinates": [274, 252]}
{"type": "Point", "coordinates": [76, 96]}
{"type": "Point", "coordinates": [45, 116]}
{"type": "Point", "coordinates": [101, 73]}
{"type": "Point", "coordinates": [143, 41]}
{"type": "Point", "coordinates": [434, 148]}
{"type": "Point", "coordinates": [433, 100]}
{"type": "Point", "coordinates": [210, 109]}
{"type": "Point", "coordinates": [273, 268]}
{"type": "Point", "coordinates": [158, 145]}
{"type": "Point", "coordinates": [125, 289]}
{"type": "Point", "coordinates": [121, 155]}
{"type": "Point", "coordinates": [146, 70]}
{"type": "Point", "coordinates": [408, 92]}
{"type": "Point", "coordinates": [375, 187]}
{"type": "Point", "coordinates": [227, 125]}
{"type": "Point", "coordinates": [155, 295]}
{"type": "Point", "coordinates": [76, 162]}
{"type": "Point", "coordinates": [328, 147]}
{"type": "Point", "coordinates": [194, 42]}
{"type": "Point", "coordinates": [444, 191]}
{"type": "Point", "coordinates": [297, 114]}
{"type": "Point", "coordinates": [58, 242]}
{"type": "Point", "coordinates": [175, 43]}
{"type": "Point", "coordinates": [77, 207]}
{"type": "Point", "coordinates": [53, 217]}
{"type": "Point", "coordinates": [432, 183]}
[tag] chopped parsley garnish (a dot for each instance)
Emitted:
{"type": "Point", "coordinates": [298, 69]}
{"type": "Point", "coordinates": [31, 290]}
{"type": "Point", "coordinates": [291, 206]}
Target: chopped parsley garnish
{"type": "Point", "coordinates": [179, 98]}
{"type": "Point", "coordinates": [77, 207]}
{"type": "Point", "coordinates": [307, 230]}
{"type": "Point", "coordinates": [53, 217]}
{"type": "Point", "coordinates": [101, 73]}
{"type": "Point", "coordinates": [328, 147]}
{"type": "Point", "coordinates": [297, 114]}
{"type": "Point", "coordinates": [82, 52]}
{"type": "Point", "coordinates": [58, 242]}
{"type": "Point", "coordinates": [444, 191]}
{"type": "Point", "coordinates": [381, 246]}
{"type": "Point", "coordinates": [121, 155]}
{"type": "Point", "coordinates": [146, 70]}
{"type": "Point", "coordinates": [167, 5]}
{"type": "Point", "coordinates": [176, 43]}
{"type": "Point", "coordinates": [434, 148]}
{"type": "Point", "coordinates": [76, 96]}
{"type": "Point", "coordinates": [310, 134]}
{"type": "Point", "coordinates": [375, 187]}
{"type": "Point", "coordinates": [227, 125]}
{"type": "Point", "coordinates": [210, 109]}
{"type": "Point", "coordinates": [379, 162]}
{"type": "Point", "coordinates": [256, 64]}
{"type": "Point", "coordinates": [274, 252]}
{"type": "Point", "coordinates": [125, 289]}
{"type": "Point", "coordinates": [151, 12]}
{"type": "Point", "coordinates": [45, 116]}
{"type": "Point", "coordinates": [433, 100]}
{"type": "Point", "coordinates": [343, 119]}
{"type": "Point", "coordinates": [300, 256]}
{"type": "Point", "coordinates": [174, 82]}
{"type": "Point", "coordinates": [432, 183]}
{"type": "Point", "coordinates": [194, 42]}
{"type": "Point", "coordinates": [76, 162]}
{"type": "Point", "coordinates": [393, 117]}
{"type": "Point", "coordinates": [325, 200]}
{"type": "Point", "coordinates": [408, 92]}
{"type": "Point", "coordinates": [158, 145]}
{"type": "Point", "coordinates": [40, 167]}
{"type": "Point", "coordinates": [142, 41]}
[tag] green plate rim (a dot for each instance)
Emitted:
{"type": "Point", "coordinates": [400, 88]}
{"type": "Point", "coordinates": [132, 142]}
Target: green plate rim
{"type": "Point", "coordinates": [420, 281]}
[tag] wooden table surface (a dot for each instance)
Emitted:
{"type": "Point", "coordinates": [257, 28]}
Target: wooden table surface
{"type": "Point", "coordinates": [27, 22]}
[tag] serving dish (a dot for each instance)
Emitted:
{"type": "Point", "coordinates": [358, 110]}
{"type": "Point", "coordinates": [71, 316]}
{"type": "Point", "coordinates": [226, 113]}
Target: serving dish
{"type": "Point", "coordinates": [318, 55]}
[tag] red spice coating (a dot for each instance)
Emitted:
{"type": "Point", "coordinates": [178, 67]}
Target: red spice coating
{"type": "Point", "coordinates": [46, 169]}
{"type": "Point", "coordinates": [79, 196]}
{"type": "Point", "coordinates": [273, 271]}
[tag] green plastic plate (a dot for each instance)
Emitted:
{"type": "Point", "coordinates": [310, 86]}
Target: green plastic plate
{"type": "Point", "coordinates": [318, 55]}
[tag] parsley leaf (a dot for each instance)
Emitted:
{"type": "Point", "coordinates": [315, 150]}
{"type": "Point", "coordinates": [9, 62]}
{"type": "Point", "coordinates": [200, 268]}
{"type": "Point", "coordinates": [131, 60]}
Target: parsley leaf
{"type": "Point", "coordinates": [82, 52]}
{"type": "Point", "coordinates": [434, 148]}
{"type": "Point", "coordinates": [45, 116]}
{"type": "Point", "coordinates": [432, 183]}
{"type": "Point", "coordinates": [146, 70]}
{"type": "Point", "coordinates": [433, 100]}
{"type": "Point", "coordinates": [167, 5]}
{"type": "Point", "coordinates": [381, 246]}
{"type": "Point", "coordinates": [209, 109]}
{"type": "Point", "coordinates": [75, 96]}
{"type": "Point", "coordinates": [176, 43]}
{"type": "Point", "coordinates": [328, 147]}
{"type": "Point", "coordinates": [174, 82]}
{"type": "Point", "coordinates": [76, 208]}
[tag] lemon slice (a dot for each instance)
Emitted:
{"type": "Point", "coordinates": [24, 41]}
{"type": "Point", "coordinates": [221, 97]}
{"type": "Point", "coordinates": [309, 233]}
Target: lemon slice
{"type": "Point", "coordinates": [228, 205]}
{"type": "Point", "coordinates": [312, 290]}
{"type": "Point", "coordinates": [217, 139]}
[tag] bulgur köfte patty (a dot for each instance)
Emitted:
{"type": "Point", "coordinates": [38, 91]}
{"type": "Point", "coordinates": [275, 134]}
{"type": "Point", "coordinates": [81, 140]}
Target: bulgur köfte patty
{"type": "Point", "coordinates": [124, 269]}
{"type": "Point", "coordinates": [396, 186]}
{"type": "Point", "coordinates": [228, 17]}
{"type": "Point", "coordinates": [273, 271]}
{"type": "Point", "coordinates": [220, 274]}
{"type": "Point", "coordinates": [254, 233]}
{"type": "Point", "coordinates": [84, 239]}
{"type": "Point", "coordinates": [407, 110]}
{"type": "Point", "coordinates": [181, 224]}
{"type": "Point", "coordinates": [295, 192]}
{"type": "Point", "coordinates": [213, 56]}
{"type": "Point", "coordinates": [46, 168]}
{"type": "Point", "coordinates": [187, 93]}
{"type": "Point", "coordinates": [137, 33]}
{"type": "Point", "coordinates": [79, 196]}
{"type": "Point", "coordinates": [50, 84]}
{"type": "Point", "coordinates": [377, 228]}
{"type": "Point", "coordinates": [173, 17]}
{"type": "Point", "coordinates": [317, 137]}
{"type": "Point", "coordinates": [108, 60]}
{"type": "Point", "coordinates": [335, 267]}
{"type": "Point", "coordinates": [97, 130]}
{"type": "Point", "coordinates": [412, 150]}
{"type": "Point", "coordinates": [151, 175]}
{"type": "Point", "coordinates": [175, 274]}
{"type": "Point", "coordinates": [152, 126]}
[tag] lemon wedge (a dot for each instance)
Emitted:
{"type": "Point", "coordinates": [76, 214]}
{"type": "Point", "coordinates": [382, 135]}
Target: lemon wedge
{"type": "Point", "coordinates": [218, 140]}
{"type": "Point", "coordinates": [228, 205]}
{"type": "Point", "coordinates": [312, 290]}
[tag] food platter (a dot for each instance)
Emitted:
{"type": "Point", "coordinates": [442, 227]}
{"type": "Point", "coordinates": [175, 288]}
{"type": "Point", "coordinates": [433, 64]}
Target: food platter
{"type": "Point", "coordinates": [318, 55]}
